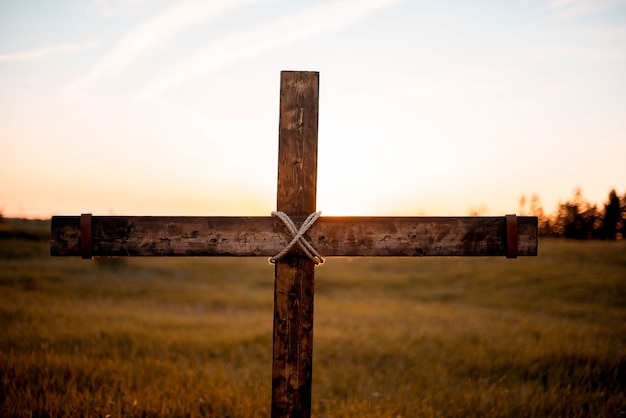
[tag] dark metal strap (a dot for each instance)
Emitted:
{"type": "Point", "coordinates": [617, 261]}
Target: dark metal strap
{"type": "Point", "coordinates": [85, 236]}
{"type": "Point", "coordinates": [511, 236]}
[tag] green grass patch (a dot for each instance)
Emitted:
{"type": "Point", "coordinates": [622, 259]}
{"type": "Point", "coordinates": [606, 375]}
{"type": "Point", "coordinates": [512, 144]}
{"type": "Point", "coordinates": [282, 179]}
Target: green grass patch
{"type": "Point", "coordinates": [422, 337]}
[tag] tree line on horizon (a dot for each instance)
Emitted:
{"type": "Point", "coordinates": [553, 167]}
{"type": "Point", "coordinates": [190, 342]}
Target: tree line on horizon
{"type": "Point", "coordinates": [578, 218]}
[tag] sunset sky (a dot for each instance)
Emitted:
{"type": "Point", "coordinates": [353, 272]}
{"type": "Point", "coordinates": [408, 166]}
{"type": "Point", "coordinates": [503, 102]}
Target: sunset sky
{"type": "Point", "coordinates": [136, 107]}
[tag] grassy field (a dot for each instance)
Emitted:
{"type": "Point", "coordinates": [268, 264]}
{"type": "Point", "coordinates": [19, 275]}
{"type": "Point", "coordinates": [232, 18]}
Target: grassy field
{"type": "Point", "coordinates": [425, 337]}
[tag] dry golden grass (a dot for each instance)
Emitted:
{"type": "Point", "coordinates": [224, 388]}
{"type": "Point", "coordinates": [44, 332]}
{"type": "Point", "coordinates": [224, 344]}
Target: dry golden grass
{"type": "Point", "coordinates": [443, 337]}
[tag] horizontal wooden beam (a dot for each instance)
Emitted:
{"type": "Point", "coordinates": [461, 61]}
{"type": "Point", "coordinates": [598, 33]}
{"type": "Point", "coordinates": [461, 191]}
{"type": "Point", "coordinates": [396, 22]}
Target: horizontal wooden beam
{"type": "Point", "coordinates": [115, 236]}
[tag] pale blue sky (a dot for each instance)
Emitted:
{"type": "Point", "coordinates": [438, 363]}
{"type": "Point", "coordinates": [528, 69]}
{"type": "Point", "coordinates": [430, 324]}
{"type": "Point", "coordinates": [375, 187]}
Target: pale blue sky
{"type": "Point", "coordinates": [426, 108]}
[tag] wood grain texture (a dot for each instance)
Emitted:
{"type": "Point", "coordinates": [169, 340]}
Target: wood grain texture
{"type": "Point", "coordinates": [294, 275]}
{"type": "Point", "coordinates": [297, 143]}
{"type": "Point", "coordinates": [116, 236]}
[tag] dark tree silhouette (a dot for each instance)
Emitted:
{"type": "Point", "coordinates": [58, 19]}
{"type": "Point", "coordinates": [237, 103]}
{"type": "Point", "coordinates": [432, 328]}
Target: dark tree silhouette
{"type": "Point", "coordinates": [621, 228]}
{"type": "Point", "coordinates": [577, 219]}
{"type": "Point", "coordinates": [612, 217]}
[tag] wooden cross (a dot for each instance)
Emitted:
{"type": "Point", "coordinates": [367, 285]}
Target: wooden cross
{"type": "Point", "coordinates": [104, 236]}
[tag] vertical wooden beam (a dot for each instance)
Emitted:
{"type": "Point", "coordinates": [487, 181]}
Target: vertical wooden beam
{"type": "Point", "coordinates": [294, 274]}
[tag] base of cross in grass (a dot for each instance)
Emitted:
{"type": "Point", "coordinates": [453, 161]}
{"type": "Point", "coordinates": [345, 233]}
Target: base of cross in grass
{"type": "Point", "coordinates": [105, 236]}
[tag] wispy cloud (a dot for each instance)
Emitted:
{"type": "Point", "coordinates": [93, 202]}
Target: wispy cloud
{"type": "Point", "coordinates": [283, 31]}
{"type": "Point", "coordinates": [47, 52]}
{"type": "Point", "coordinates": [144, 39]}
{"type": "Point", "coordinates": [569, 8]}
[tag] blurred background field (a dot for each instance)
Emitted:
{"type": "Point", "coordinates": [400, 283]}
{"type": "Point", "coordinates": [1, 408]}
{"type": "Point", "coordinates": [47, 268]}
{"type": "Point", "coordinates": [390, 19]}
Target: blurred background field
{"type": "Point", "coordinates": [424, 337]}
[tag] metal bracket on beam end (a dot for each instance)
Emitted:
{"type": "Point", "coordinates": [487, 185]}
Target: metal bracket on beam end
{"type": "Point", "coordinates": [86, 246]}
{"type": "Point", "coordinates": [511, 236]}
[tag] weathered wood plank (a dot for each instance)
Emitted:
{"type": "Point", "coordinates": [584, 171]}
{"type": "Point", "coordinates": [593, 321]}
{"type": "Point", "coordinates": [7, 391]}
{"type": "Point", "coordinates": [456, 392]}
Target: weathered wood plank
{"type": "Point", "coordinates": [115, 236]}
{"type": "Point", "coordinates": [294, 276]}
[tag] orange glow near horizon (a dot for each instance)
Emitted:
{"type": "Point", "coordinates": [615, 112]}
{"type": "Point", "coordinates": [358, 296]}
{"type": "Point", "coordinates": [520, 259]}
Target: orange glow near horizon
{"type": "Point", "coordinates": [425, 108]}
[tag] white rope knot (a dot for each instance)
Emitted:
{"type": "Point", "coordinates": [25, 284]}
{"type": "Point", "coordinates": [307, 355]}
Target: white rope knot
{"type": "Point", "coordinates": [298, 237]}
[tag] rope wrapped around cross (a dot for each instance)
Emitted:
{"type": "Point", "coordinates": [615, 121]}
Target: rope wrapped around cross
{"type": "Point", "coordinates": [298, 237]}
